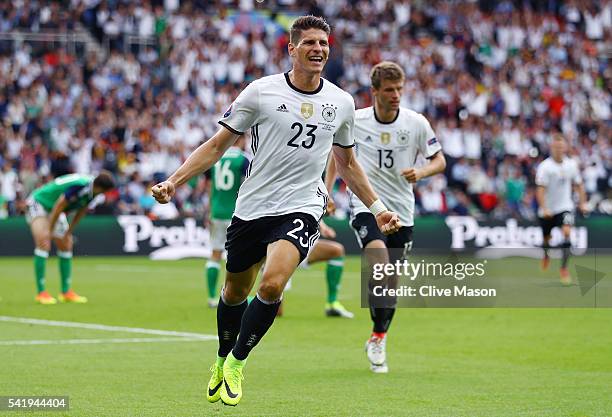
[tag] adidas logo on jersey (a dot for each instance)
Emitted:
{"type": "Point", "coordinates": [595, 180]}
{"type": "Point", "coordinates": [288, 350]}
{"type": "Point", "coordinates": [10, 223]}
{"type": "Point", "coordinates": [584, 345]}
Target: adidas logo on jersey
{"type": "Point", "coordinates": [282, 108]}
{"type": "Point", "coordinates": [368, 139]}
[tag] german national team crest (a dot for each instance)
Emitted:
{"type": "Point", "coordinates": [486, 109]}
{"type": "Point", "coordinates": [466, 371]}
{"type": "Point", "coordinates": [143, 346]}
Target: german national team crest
{"type": "Point", "coordinates": [385, 138]}
{"type": "Point", "coordinates": [329, 112]}
{"type": "Point", "coordinates": [402, 137]}
{"type": "Point", "coordinates": [307, 110]}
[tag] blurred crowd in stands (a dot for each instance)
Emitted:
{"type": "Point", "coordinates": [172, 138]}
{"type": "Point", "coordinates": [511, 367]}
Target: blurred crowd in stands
{"type": "Point", "coordinates": [495, 78]}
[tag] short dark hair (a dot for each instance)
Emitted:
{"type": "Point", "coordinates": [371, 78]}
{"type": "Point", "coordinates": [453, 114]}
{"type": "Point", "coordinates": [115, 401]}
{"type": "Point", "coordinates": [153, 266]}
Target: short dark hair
{"type": "Point", "coordinates": [304, 23]}
{"type": "Point", "coordinates": [386, 70]}
{"type": "Point", "coordinates": [104, 181]}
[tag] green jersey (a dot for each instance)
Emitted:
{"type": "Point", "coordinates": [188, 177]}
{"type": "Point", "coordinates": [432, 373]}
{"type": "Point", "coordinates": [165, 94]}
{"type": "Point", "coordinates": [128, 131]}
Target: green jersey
{"type": "Point", "coordinates": [76, 189]}
{"type": "Point", "coordinates": [226, 177]}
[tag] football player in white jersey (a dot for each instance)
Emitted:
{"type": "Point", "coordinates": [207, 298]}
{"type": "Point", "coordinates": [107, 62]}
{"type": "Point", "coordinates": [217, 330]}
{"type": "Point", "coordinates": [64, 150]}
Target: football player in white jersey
{"type": "Point", "coordinates": [294, 120]}
{"type": "Point", "coordinates": [388, 140]}
{"type": "Point", "coordinates": [556, 176]}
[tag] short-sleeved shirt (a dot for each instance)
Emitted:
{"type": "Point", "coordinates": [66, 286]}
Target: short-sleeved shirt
{"type": "Point", "coordinates": [292, 134]}
{"type": "Point", "coordinates": [226, 176]}
{"type": "Point", "coordinates": [558, 178]}
{"type": "Point", "coordinates": [77, 190]}
{"type": "Point", "coordinates": [384, 150]}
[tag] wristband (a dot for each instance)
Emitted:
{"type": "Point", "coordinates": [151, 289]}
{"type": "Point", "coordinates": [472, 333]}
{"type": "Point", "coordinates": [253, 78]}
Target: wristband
{"type": "Point", "coordinates": [377, 207]}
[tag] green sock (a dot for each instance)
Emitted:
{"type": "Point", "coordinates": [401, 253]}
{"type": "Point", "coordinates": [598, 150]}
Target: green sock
{"type": "Point", "coordinates": [65, 267]}
{"type": "Point", "coordinates": [334, 276]}
{"type": "Point", "coordinates": [40, 261]}
{"type": "Point", "coordinates": [212, 274]}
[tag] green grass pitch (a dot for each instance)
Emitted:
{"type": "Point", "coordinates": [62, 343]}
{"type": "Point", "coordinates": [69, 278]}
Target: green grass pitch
{"type": "Point", "coordinates": [443, 362]}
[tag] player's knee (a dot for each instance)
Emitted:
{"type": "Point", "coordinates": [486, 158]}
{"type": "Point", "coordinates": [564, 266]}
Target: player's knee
{"type": "Point", "coordinates": [65, 243]}
{"type": "Point", "coordinates": [271, 290]}
{"type": "Point", "coordinates": [44, 244]}
{"type": "Point", "coordinates": [233, 294]}
{"type": "Point", "coordinates": [338, 250]}
{"type": "Point", "coordinates": [376, 244]}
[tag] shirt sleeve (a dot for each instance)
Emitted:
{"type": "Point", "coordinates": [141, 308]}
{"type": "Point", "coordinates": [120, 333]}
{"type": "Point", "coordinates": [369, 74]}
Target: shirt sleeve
{"type": "Point", "coordinates": [243, 112]}
{"type": "Point", "coordinates": [542, 176]}
{"type": "Point", "coordinates": [428, 143]}
{"type": "Point", "coordinates": [344, 136]}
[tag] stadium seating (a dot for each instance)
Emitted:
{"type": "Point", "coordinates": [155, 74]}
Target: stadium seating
{"type": "Point", "coordinates": [495, 80]}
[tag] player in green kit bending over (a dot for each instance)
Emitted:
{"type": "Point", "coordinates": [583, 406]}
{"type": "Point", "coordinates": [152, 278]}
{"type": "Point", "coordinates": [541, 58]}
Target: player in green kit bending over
{"type": "Point", "coordinates": [46, 214]}
{"type": "Point", "coordinates": [225, 179]}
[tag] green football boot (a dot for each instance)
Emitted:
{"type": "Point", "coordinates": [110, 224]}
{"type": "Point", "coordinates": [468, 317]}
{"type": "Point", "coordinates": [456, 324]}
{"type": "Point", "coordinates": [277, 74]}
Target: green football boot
{"type": "Point", "coordinates": [231, 390]}
{"type": "Point", "coordinates": [213, 392]}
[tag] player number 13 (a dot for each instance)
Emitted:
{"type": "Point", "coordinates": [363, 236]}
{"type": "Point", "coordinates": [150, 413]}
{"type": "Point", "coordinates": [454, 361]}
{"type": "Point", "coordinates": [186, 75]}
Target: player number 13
{"type": "Point", "coordinates": [385, 160]}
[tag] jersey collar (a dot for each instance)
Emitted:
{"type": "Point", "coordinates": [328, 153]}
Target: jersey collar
{"type": "Point", "coordinates": [385, 123]}
{"type": "Point", "coordinates": [303, 91]}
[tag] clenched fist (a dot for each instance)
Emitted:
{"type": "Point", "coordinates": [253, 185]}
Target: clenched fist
{"type": "Point", "coordinates": [388, 222]}
{"type": "Point", "coordinates": [412, 174]}
{"type": "Point", "coordinates": [163, 192]}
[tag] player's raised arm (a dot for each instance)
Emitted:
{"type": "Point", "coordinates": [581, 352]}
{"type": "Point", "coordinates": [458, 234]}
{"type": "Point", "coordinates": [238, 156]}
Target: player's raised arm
{"type": "Point", "coordinates": [199, 161]}
{"type": "Point", "coordinates": [352, 173]}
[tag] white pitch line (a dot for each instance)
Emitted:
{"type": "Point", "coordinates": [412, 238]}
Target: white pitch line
{"type": "Point", "coordinates": [99, 341]}
{"type": "Point", "coordinates": [142, 268]}
{"type": "Point", "coordinates": [103, 327]}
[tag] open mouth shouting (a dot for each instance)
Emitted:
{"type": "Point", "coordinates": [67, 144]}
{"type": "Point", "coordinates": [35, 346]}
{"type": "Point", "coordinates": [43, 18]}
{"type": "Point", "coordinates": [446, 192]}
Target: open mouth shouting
{"type": "Point", "coordinates": [316, 58]}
